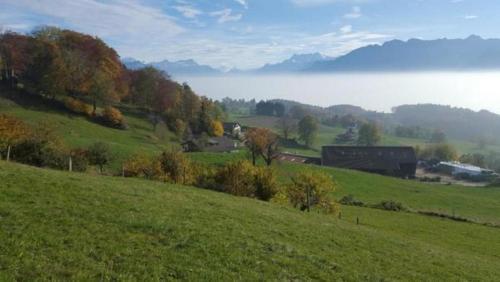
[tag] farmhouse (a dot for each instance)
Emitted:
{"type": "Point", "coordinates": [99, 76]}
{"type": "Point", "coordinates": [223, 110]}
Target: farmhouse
{"type": "Point", "coordinates": [232, 129]}
{"type": "Point", "coordinates": [394, 161]}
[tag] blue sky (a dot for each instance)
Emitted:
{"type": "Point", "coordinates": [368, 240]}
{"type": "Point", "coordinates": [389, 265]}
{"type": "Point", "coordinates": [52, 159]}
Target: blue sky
{"type": "Point", "coordinates": [250, 33]}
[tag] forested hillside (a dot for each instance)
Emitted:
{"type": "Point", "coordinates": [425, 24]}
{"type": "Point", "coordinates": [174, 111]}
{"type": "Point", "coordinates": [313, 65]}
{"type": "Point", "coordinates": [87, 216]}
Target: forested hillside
{"type": "Point", "coordinates": [85, 75]}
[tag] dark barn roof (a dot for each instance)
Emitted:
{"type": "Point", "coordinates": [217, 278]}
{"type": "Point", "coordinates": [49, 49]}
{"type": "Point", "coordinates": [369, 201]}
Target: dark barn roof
{"type": "Point", "coordinates": [383, 159]}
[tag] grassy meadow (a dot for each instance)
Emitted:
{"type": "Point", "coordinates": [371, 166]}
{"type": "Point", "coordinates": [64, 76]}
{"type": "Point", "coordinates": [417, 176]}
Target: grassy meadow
{"type": "Point", "coordinates": [69, 226]}
{"type": "Point", "coordinates": [72, 226]}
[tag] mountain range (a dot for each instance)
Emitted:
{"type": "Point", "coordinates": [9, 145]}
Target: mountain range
{"type": "Point", "coordinates": [471, 53]}
{"type": "Point", "coordinates": [183, 67]}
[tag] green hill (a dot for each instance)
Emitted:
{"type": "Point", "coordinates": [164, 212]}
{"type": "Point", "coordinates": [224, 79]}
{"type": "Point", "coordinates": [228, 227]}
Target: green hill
{"type": "Point", "coordinates": [62, 226]}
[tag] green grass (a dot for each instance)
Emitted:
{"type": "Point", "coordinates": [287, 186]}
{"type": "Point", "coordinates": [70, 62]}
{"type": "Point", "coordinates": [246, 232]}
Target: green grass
{"type": "Point", "coordinates": [78, 131]}
{"type": "Point", "coordinates": [61, 226]}
{"type": "Point", "coordinates": [479, 204]}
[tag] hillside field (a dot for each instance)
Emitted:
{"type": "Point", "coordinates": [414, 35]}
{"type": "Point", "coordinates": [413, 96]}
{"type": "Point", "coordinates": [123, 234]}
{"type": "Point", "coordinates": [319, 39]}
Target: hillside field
{"type": "Point", "coordinates": [62, 226]}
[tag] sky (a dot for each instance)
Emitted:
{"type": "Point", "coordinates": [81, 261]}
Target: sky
{"type": "Point", "coordinates": [247, 34]}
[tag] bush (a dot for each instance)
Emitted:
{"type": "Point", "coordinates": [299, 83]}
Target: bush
{"type": "Point", "coordinates": [265, 182]}
{"type": "Point", "coordinates": [349, 200]}
{"type": "Point", "coordinates": [237, 178]}
{"type": "Point", "coordinates": [309, 189]}
{"type": "Point", "coordinates": [78, 106]}
{"type": "Point", "coordinates": [176, 167]}
{"type": "Point", "coordinates": [79, 159]}
{"type": "Point", "coordinates": [113, 117]}
{"type": "Point", "coordinates": [42, 147]}
{"type": "Point", "coordinates": [12, 131]}
{"type": "Point", "coordinates": [205, 177]}
{"type": "Point", "coordinates": [142, 166]}
{"type": "Point", "coordinates": [390, 206]}
{"type": "Point", "coordinates": [99, 154]}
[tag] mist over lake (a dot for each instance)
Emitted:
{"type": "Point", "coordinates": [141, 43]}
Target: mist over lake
{"type": "Point", "coordinates": [372, 91]}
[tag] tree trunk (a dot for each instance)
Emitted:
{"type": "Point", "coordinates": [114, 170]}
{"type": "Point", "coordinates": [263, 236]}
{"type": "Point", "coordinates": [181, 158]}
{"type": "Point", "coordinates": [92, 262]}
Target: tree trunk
{"type": "Point", "coordinates": [94, 107]}
{"type": "Point", "coordinates": [8, 153]}
{"type": "Point", "coordinates": [308, 199]}
{"type": "Point", "coordinates": [70, 166]}
{"type": "Point", "coordinates": [253, 158]}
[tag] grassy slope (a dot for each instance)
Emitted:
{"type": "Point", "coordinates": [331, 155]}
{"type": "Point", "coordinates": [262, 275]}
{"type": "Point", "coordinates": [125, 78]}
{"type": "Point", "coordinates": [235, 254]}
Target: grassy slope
{"type": "Point", "coordinates": [56, 225]}
{"type": "Point", "coordinates": [475, 203]}
{"type": "Point", "coordinates": [327, 136]}
{"type": "Point", "coordinates": [78, 131]}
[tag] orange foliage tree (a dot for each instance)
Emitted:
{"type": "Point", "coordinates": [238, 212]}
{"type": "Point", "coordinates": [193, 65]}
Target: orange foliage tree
{"type": "Point", "coordinates": [12, 132]}
{"type": "Point", "coordinates": [263, 142]}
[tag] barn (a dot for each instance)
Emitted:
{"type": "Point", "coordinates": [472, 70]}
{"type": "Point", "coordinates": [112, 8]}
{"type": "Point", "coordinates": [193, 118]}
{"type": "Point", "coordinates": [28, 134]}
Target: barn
{"type": "Point", "coordinates": [386, 160]}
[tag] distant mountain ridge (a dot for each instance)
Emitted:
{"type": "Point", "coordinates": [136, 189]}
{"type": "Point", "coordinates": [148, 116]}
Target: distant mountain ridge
{"type": "Point", "coordinates": [182, 67]}
{"type": "Point", "coordinates": [472, 53]}
{"type": "Point", "coordinates": [297, 62]}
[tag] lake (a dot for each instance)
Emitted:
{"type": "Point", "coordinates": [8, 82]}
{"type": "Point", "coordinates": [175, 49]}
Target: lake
{"type": "Point", "coordinates": [373, 91]}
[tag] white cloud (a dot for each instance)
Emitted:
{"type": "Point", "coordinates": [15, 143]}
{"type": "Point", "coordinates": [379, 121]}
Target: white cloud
{"type": "Point", "coordinates": [226, 15]}
{"type": "Point", "coordinates": [243, 3]}
{"type": "Point", "coordinates": [188, 11]}
{"type": "Point", "coordinates": [346, 29]}
{"type": "Point", "coordinates": [354, 14]}
{"type": "Point", "coordinates": [470, 17]}
{"type": "Point", "coordinates": [114, 18]}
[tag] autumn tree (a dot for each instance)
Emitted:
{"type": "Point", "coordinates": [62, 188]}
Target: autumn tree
{"type": "Point", "coordinates": [176, 167]}
{"type": "Point", "coordinates": [309, 189]}
{"type": "Point", "coordinates": [262, 142]}
{"type": "Point", "coordinates": [237, 178]}
{"type": "Point", "coordinates": [12, 131]}
{"type": "Point", "coordinates": [217, 129]}
{"type": "Point", "coordinates": [308, 130]}
{"type": "Point", "coordinates": [369, 134]}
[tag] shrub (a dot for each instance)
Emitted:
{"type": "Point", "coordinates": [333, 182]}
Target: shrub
{"type": "Point", "coordinates": [266, 184]}
{"type": "Point", "coordinates": [79, 159]}
{"type": "Point", "coordinates": [237, 178]}
{"type": "Point", "coordinates": [99, 154]}
{"type": "Point", "coordinates": [42, 147]}
{"type": "Point", "coordinates": [205, 177]}
{"type": "Point", "coordinates": [349, 200]}
{"type": "Point", "coordinates": [12, 131]}
{"type": "Point", "coordinates": [390, 206]}
{"type": "Point", "coordinates": [309, 189]}
{"type": "Point", "coordinates": [176, 167]}
{"type": "Point", "coordinates": [113, 117]}
{"type": "Point", "coordinates": [142, 166]}
{"type": "Point", "coordinates": [78, 106]}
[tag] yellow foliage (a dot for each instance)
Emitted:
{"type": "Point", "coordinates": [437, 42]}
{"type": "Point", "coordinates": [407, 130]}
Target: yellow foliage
{"type": "Point", "coordinates": [12, 131]}
{"type": "Point", "coordinates": [142, 166]}
{"type": "Point", "coordinates": [309, 189]}
{"type": "Point", "coordinates": [217, 128]}
{"type": "Point", "coordinates": [113, 116]}
{"type": "Point", "coordinates": [78, 106]}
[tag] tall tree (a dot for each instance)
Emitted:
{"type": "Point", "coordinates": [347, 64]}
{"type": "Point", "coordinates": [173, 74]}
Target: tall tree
{"type": "Point", "coordinates": [308, 130]}
{"type": "Point", "coordinates": [287, 126]}
{"type": "Point", "coordinates": [369, 134]}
